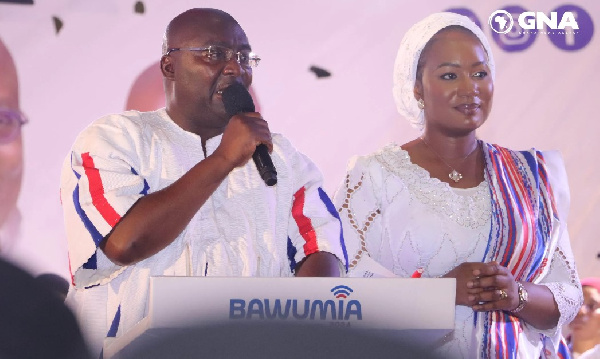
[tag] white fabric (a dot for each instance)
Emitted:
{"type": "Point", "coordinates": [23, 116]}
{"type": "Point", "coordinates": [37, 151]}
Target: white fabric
{"type": "Point", "coordinates": [241, 230]}
{"type": "Point", "coordinates": [409, 53]}
{"type": "Point", "coordinates": [409, 221]}
{"type": "Point", "coordinates": [593, 353]}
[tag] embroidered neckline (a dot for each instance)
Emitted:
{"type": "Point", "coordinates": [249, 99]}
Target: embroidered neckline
{"type": "Point", "coordinates": [469, 207]}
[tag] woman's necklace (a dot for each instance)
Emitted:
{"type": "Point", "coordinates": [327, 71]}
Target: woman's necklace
{"type": "Point", "coordinates": [454, 175]}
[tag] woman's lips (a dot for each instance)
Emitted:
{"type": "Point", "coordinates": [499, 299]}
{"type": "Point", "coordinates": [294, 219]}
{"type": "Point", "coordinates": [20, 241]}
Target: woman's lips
{"type": "Point", "coordinates": [468, 109]}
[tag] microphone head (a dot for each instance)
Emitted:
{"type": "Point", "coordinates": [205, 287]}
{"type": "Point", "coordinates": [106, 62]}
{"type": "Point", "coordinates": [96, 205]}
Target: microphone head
{"type": "Point", "coordinates": [237, 99]}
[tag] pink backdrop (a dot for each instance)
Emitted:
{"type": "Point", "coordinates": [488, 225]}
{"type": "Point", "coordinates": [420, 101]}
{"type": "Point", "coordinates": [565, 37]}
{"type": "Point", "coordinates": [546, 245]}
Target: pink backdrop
{"type": "Point", "coordinates": [544, 95]}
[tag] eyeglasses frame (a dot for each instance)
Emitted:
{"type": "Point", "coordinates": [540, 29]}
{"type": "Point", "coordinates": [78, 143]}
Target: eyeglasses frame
{"type": "Point", "coordinates": [21, 119]}
{"type": "Point", "coordinates": [229, 54]}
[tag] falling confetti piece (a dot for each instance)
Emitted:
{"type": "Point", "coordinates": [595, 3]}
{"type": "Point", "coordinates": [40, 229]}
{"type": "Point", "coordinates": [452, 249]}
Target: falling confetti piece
{"type": "Point", "coordinates": [139, 7]}
{"type": "Point", "coordinates": [320, 72]}
{"type": "Point", "coordinates": [58, 24]}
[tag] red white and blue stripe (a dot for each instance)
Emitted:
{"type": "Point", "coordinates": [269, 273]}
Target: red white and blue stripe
{"type": "Point", "coordinates": [522, 237]}
{"type": "Point", "coordinates": [306, 228]}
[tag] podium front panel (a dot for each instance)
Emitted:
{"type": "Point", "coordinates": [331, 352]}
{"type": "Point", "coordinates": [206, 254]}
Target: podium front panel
{"type": "Point", "coordinates": [421, 310]}
{"type": "Point", "coordinates": [379, 303]}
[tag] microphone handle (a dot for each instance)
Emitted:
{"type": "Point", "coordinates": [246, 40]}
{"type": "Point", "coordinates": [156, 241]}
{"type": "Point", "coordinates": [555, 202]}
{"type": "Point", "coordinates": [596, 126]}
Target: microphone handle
{"type": "Point", "coordinates": [264, 164]}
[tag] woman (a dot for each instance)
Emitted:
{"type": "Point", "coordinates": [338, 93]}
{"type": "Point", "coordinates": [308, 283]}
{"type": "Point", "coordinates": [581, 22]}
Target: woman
{"type": "Point", "coordinates": [450, 205]}
{"type": "Point", "coordinates": [585, 328]}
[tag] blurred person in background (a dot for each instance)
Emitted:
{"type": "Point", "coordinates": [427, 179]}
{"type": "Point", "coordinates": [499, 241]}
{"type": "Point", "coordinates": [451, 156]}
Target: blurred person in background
{"type": "Point", "coordinates": [11, 153]}
{"type": "Point", "coordinates": [585, 328]}
{"type": "Point", "coordinates": [34, 321]}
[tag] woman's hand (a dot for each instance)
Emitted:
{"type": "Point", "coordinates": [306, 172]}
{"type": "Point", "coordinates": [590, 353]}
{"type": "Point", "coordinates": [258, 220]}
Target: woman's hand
{"type": "Point", "coordinates": [463, 274]}
{"type": "Point", "coordinates": [485, 286]}
{"type": "Point", "coordinates": [492, 288]}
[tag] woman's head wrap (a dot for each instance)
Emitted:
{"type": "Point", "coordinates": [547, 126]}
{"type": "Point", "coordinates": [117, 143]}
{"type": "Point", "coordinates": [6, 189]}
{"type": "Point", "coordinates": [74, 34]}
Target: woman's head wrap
{"type": "Point", "coordinates": [409, 52]}
{"type": "Point", "coordinates": [591, 282]}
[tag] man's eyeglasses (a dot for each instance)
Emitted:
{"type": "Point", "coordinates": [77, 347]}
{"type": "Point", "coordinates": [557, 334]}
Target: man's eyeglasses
{"type": "Point", "coordinates": [10, 124]}
{"type": "Point", "coordinates": [214, 55]}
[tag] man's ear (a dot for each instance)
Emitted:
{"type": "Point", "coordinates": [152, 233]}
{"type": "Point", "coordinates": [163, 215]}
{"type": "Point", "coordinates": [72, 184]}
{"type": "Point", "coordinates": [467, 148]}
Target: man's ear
{"type": "Point", "coordinates": [166, 67]}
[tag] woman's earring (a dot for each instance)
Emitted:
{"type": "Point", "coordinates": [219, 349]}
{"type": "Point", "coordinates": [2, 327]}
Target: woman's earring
{"type": "Point", "coordinates": [421, 104]}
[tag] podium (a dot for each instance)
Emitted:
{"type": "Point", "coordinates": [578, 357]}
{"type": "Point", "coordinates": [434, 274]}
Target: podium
{"type": "Point", "coordinates": [413, 308]}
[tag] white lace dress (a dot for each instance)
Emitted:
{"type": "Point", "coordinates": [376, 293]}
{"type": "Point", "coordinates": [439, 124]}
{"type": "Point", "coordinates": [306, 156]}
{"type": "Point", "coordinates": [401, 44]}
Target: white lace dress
{"type": "Point", "coordinates": [394, 212]}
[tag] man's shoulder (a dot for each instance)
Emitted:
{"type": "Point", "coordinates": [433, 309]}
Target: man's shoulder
{"type": "Point", "coordinates": [131, 124]}
{"type": "Point", "coordinates": [283, 146]}
{"type": "Point", "coordinates": [280, 140]}
{"type": "Point", "coordinates": [130, 118]}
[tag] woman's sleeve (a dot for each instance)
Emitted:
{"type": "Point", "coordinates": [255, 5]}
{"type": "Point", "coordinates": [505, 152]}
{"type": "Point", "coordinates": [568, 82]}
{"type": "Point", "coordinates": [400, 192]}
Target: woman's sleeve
{"type": "Point", "coordinates": [562, 278]}
{"type": "Point", "coordinates": [358, 204]}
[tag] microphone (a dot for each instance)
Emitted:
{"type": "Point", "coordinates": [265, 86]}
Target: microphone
{"type": "Point", "coordinates": [237, 100]}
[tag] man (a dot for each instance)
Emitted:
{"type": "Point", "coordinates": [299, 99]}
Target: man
{"type": "Point", "coordinates": [11, 152]}
{"type": "Point", "coordinates": [172, 192]}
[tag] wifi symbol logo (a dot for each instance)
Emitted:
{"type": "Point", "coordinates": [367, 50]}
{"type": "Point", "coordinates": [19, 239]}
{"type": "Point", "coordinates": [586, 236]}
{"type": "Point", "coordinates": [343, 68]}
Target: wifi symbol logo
{"type": "Point", "coordinates": [341, 291]}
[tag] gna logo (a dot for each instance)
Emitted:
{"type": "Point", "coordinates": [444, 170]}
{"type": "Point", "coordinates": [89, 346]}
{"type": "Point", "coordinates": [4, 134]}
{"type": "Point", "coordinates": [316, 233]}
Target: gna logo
{"type": "Point", "coordinates": [514, 28]}
{"type": "Point", "coordinates": [305, 309]}
{"type": "Point", "coordinates": [501, 21]}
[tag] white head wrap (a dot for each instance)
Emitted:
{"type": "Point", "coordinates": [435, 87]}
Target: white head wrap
{"type": "Point", "coordinates": [409, 52]}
